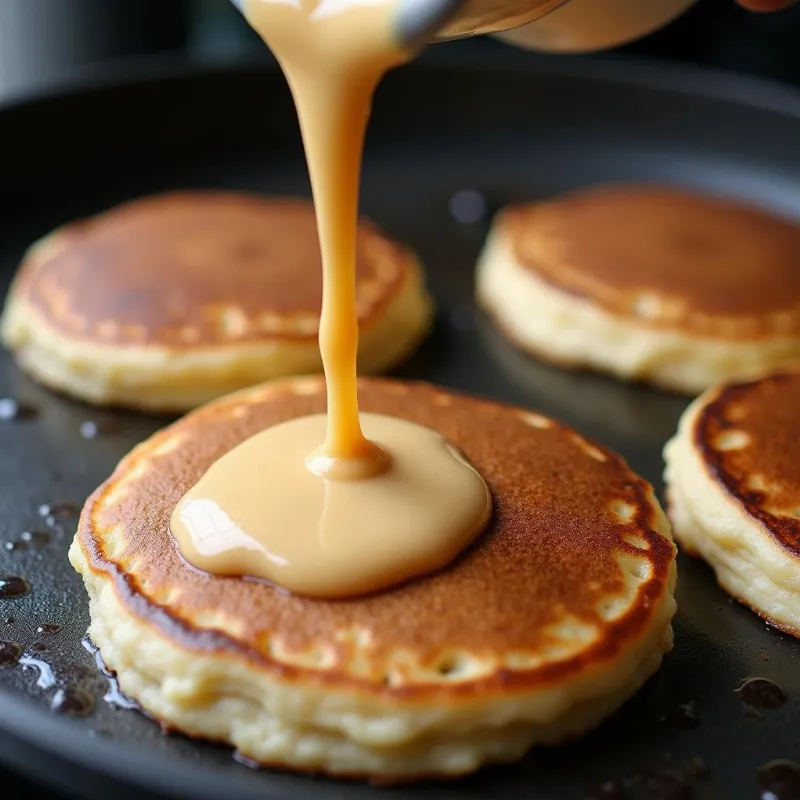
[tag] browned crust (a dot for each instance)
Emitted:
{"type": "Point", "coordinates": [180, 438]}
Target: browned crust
{"type": "Point", "coordinates": [768, 411]}
{"type": "Point", "coordinates": [726, 270]}
{"type": "Point", "coordinates": [187, 270]}
{"type": "Point", "coordinates": [549, 551]}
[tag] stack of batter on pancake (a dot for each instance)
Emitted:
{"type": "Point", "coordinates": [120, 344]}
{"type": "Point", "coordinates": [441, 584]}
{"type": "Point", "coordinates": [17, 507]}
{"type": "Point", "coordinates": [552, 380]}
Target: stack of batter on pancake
{"type": "Point", "coordinates": [169, 301]}
{"type": "Point", "coordinates": [733, 482]}
{"type": "Point", "coordinates": [646, 283]}
{"type": "Point", "coordinates": [557, 614]}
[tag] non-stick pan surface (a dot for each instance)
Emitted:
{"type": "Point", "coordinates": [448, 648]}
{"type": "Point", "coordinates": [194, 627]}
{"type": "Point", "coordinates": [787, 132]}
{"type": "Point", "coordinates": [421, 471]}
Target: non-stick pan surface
{"type": "Point", "coordinates": [437, 130]}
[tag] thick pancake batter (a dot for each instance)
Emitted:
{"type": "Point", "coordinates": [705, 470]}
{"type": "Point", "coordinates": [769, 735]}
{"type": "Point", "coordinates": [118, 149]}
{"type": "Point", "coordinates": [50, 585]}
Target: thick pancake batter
{"type": "Point", "coordinates": [316, 505]}
{"type": "Point", "coordinates": [330, 536]}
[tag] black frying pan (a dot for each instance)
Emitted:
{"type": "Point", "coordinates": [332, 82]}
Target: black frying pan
{"type": "Point", "coordinates": [511, 134]}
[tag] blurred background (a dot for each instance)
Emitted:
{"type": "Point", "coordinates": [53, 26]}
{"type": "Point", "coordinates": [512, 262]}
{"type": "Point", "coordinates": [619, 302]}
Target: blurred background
{"type": "Point", "coordinates": [50, 40]}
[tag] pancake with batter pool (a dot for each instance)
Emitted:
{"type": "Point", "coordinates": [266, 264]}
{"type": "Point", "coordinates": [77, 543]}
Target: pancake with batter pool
{"type": "Point", "coordinates": [646, 283]}
{"type": "Point", "coordinates": [169, 301]}
{"type": "Point", "coordinates": [733, 480]}
{"type": "Point", "coordinates": [556, 615]}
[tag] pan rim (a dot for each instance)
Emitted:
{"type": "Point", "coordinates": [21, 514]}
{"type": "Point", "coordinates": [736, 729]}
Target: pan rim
{"type": "Point", "coordinates": [617, 68]}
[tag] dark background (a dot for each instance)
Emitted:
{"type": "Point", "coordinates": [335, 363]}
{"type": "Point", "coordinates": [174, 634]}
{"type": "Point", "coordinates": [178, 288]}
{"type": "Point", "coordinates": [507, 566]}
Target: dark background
{"type": "Point", "coordinates": [43, 40]}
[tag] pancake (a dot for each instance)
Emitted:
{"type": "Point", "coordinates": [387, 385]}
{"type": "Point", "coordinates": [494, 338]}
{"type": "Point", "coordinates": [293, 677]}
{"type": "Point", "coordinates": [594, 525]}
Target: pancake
{"type": "Point", "coordinates": [169, 301]}
{"type": "Point", "coordinates": [733, 480]}
{"type": "Point", "coordinates": [646, 283]}
{"type": "Point", "coordinates": [558, 613]}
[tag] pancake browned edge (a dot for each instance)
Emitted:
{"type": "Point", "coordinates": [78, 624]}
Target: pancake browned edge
{"type": "Point", "coordinates": [646, 283]}
{"type": "Point", "coordinates": [556, 616]}
{"type": "Point", "coordinates": [170, 301]}
{"type": "Point", "coordinates": [733, 478]}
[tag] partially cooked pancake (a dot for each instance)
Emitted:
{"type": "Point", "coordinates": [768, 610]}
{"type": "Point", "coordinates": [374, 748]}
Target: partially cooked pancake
{"type": "Point", "coordinates": [733, 477]}
{"type": "Point", "coordinates": [169, 301]}
{"type": "Point", "coordinates": [558, 613]}
{"type": "Point", "coordinates": [647, 283]}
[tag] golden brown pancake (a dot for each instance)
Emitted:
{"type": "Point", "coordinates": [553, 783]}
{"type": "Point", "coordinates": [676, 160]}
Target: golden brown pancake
{"type": "Point", "coordinates": [734, 484]}
{"type": "Point", "coordinates": [647, 282]}
{"type": "Point", "coordinates": [171, 300]}
{"type": "Point", "coordinates": [558, 614]}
